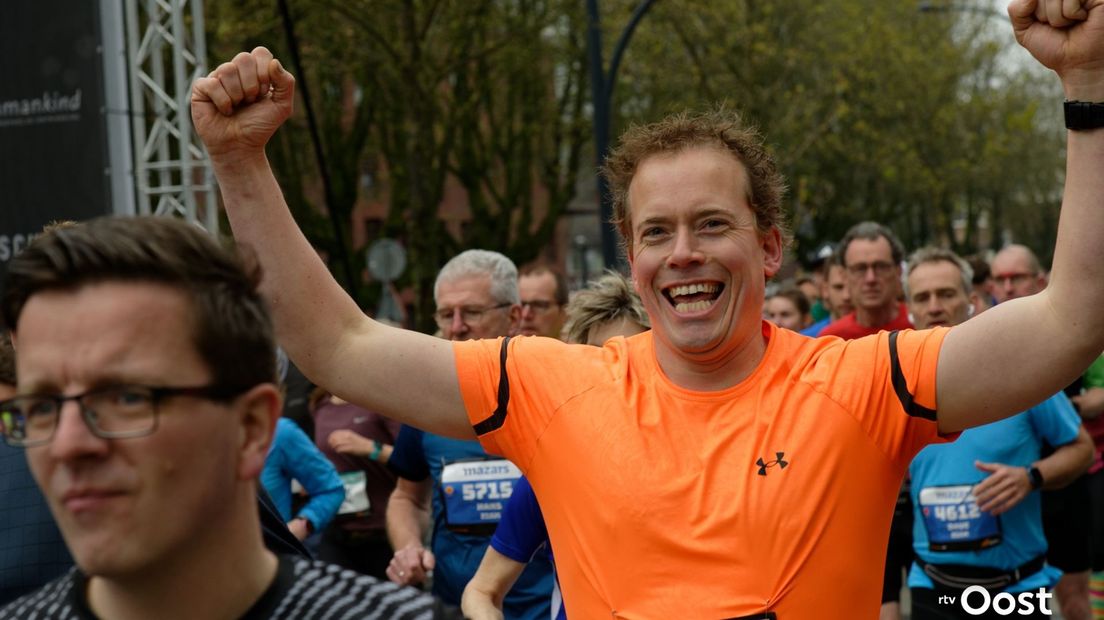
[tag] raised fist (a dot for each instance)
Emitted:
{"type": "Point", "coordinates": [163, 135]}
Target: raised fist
{"type": "Point", "coordinates": [239, 105]}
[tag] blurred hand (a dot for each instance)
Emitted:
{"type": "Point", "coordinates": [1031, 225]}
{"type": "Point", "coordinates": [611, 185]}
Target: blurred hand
{"type": "Point", "coordinates": [411, 565]}
{"type": "Point", "coordinates": [299, 528]}
{"type": "Point", "coordinates": [239, 105]}
{"type": "Point", "coordinates": [1005, 487]}
{"type": "Point", "coordinates": [1090, 404]}
{"type": "Point", "coordinates": [351, 442]}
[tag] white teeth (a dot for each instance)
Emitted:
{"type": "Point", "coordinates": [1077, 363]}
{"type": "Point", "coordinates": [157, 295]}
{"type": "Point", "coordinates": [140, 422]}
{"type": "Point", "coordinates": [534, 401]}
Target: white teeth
{"type": "Point", "coordinates": [690, 289]}
{"type": "Point", "coordinates": [697, 306]}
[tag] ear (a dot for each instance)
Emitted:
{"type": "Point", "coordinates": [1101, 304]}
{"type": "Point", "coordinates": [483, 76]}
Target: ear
{"type": "Point", "coordinates": [974, 300]}
{"type": "Point", "coordinates": [771, 242]}
{"type": "Point", "coordinates": [258, 411]}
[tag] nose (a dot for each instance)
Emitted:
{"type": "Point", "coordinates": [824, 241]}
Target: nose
{"type": "Point", "coordinates": [73, 439]}
{"type": "Point", "coordinates": [458, 326]}
{"type": "Point", "coordinates": [685, 251]}
{"type": "Point", "coordinates": [935, 307]}
{"type": "Point", "coordinates": [526, 310]}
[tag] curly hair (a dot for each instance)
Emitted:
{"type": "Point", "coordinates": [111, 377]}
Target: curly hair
{"type": "Point", "coordinates": [720, 128]}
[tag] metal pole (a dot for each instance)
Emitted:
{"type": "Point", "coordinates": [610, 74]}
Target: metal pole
{"type": "Point", "coordinates": [601, 87]}
{"type": "Point", "coordinates": [601, 131]}
{"type": "Point", "coordinates": [319, 153]}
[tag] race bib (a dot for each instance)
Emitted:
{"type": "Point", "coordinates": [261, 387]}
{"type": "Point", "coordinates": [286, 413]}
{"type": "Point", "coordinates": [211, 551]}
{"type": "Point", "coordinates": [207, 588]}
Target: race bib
{"type": "Point", "coordinates": [475, 492]}
{"type": "Point", "coordinates": [356, 493]}
{"type": "Point", "coordinates": [954, 522]}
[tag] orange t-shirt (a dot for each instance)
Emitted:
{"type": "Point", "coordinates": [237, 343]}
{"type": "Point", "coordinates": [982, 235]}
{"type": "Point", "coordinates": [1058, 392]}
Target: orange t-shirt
{"type": "Point", "coordinates": [661, 502]}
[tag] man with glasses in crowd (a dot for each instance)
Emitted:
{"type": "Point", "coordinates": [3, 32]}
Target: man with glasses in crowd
{"type": "Point", "coordinates": [871, 256]}
{"type": "Point", "coordinates": [543, 301]}
{"type": "Point", "coordinates": [453, 485]}
{"type": "Point", "coordinates": [146, 403]}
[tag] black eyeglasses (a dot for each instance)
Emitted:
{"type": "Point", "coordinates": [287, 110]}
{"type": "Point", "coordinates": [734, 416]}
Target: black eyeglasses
{"type": "Point", "coordinates": [881, 269]}
{"type": "Point", "coordinates": [538, 306]}
{"type": "Point", "coordinates": [114, 412]}
{"type": "Point", "coordinates": [470, 316]}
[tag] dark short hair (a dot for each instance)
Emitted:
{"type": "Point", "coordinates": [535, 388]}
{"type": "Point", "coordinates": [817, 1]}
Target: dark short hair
{"type": "Point", "coordinates": [722, 129]}
{"type": "Point", "coordinates": [982, 272]}
{"type": "Point", "coordinates": [536, 269]}
{"type": "Point", "coordinates": [7, 360]}
{"type": "Point", "coordinates": [233, 331]}
{"type": "Point", "coordinates": [871, 231]}
{"type": "Point", "coordinates": [794, 294]}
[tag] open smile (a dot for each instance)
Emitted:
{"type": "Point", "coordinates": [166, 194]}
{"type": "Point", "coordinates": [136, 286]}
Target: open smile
{"type": "Point", "coordinates": [694, 297]}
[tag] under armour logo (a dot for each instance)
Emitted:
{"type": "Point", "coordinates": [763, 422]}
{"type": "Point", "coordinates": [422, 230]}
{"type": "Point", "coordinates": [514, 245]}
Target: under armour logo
{"type": "Point", "coordinates": [764, 465]}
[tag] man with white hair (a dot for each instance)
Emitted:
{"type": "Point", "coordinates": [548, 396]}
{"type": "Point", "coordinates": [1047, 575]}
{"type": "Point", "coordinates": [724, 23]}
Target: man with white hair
{"type": "Point", "coordinates": [453, 484]}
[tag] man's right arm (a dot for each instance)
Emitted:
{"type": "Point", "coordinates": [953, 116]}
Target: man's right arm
{"type": "Point", "coordinates": [408, 513]}
{"type": "Point", "coordinates": [408, 376]}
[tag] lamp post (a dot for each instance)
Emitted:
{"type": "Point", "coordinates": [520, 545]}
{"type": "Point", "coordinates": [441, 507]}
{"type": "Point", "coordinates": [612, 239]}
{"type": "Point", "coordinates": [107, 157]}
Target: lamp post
{"type": "Point", "coordinates": [601, 88]}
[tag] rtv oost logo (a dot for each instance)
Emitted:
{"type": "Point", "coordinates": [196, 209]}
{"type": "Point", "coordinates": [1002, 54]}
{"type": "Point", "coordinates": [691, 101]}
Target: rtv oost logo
{"type": "Point", "coordinates": [976, 600]}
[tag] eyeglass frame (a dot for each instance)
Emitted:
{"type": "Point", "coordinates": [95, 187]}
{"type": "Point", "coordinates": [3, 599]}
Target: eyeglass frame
{"type": "Point", "coordinates": [156, 393]}
{"type": "Point", "coordinates": [479, 314]}
{"type": "Point", "coordinates": [540, 306]}
{"type": "Point", "coordinates": [881, 269]}
{"type": "Point", "coordinates": [1015, 278]}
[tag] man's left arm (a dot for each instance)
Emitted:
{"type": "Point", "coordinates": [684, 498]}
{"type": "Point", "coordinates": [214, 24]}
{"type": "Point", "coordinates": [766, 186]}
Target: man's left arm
{"type": "Point", "coordinates": [1008, 485]}
{"type": "Point", "coordinates": [1018, 353]}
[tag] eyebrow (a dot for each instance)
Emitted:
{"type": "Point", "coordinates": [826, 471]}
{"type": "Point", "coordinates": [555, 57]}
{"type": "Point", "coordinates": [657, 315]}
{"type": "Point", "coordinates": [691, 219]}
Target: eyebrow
{"type": "Point", "coordinates": [707, 212]}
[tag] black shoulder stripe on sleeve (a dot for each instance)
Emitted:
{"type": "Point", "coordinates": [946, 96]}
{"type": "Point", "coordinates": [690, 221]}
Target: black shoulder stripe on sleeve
{"type": "Point", "coordinates": [901, 388]}
{"type": "Point", "coordinates": [498, 418]}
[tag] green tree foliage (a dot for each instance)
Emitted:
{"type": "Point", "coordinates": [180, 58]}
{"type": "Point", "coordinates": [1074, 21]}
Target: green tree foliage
{"type": "Point", "coordinates": [409, 92]}
{"type": "Point", "coordinates": [876, 110]}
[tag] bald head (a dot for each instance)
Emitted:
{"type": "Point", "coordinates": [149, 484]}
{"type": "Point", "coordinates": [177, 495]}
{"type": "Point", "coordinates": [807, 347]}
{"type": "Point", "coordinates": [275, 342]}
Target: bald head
{"type": "Point", "coordinates": [1016, 273]}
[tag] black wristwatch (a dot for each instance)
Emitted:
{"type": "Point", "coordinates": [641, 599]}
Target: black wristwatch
{"type": "Point", "coordinates": [1036, 478]}
{"type": "Point", "coordinates": [1081, 115]}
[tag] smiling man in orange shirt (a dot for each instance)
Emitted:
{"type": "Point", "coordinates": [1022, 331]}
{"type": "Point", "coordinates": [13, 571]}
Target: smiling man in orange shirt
{"type": "Point", "coordinates": [714, 467]}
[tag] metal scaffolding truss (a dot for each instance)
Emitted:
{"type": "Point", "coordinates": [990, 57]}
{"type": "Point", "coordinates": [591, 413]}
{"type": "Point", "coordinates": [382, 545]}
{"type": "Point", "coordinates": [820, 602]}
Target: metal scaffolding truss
{"type": "Point", "coordinates": [166, 51]}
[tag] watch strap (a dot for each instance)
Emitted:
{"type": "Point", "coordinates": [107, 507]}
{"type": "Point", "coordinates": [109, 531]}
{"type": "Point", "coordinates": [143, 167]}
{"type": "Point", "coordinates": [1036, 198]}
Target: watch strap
{"type": "Point", "coordinates": [1081, 115]}
{"type": "Point", "coordinates": [1036, 477]}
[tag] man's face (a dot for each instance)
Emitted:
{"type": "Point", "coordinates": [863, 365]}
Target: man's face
{"type": "Point", "coordinates": [125, 506]}
{"type": "Point", "coordinates": [873, 277]}
{"type": "Point", "coordinates": [698, 261]}
{"type": "Point", "coordinates": [936, 296]}
{"type": "Point", "coordinates": [473, 295]}
{"type": "Point", "coordinates": [837, 293]}
{"type": "Point", "coordinates": [1014, 275]}
{"type": "Point", "coordinates": [541, 315]}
